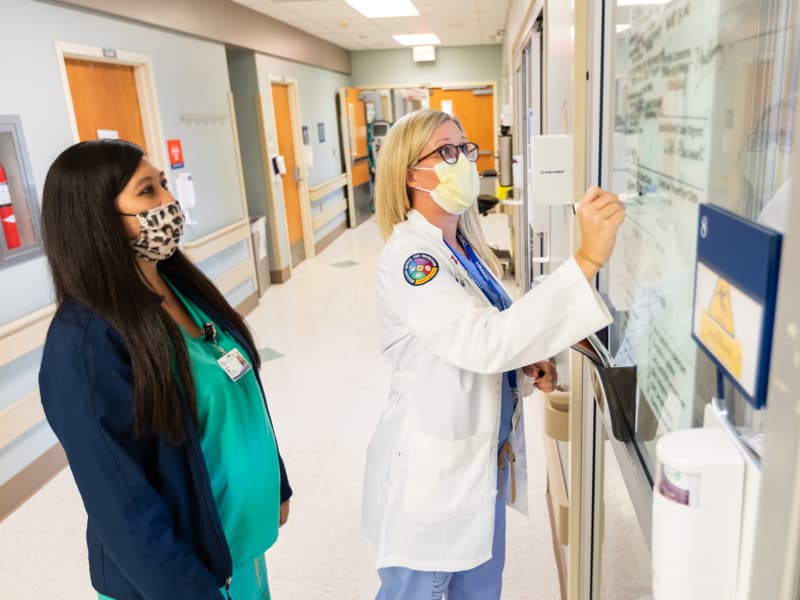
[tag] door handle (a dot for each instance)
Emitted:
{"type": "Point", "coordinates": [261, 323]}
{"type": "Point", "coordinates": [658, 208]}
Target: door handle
{"type": "Point", "coordinates": [484, 152]}
{"type": "Point", "coordinates": [297, 176]}
{"type": "Point", "coordinates": [615, 392]}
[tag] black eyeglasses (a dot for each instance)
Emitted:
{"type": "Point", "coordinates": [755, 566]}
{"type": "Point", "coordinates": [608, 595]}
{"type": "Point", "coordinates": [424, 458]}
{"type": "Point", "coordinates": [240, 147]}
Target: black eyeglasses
{"type": "Point", "coordinates": [449, 152]}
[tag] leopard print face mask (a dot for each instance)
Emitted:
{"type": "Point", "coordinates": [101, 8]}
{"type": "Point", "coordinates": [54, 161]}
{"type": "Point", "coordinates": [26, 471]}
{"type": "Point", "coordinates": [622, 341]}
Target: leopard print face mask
{"type": "Point", "coordinates": [160, 232]}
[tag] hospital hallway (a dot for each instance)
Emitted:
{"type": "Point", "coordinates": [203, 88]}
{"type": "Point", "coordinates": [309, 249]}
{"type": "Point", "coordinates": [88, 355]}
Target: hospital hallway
{"type": "Point", "coordinates": [326, 384]}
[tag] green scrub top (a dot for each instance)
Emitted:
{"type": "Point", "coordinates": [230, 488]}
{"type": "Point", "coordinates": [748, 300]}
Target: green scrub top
{"type": "Point", "coordinates": [239, 448]}
{"type": "Point", "coordinates": [238, 444]}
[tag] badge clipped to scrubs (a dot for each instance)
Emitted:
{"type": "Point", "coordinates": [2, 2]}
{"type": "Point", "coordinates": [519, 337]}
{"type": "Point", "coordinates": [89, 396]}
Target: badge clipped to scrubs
{"type": "Point", "coordinates": [233, 363]}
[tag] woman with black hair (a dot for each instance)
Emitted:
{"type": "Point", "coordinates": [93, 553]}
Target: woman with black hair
{"type": "Point", "coordinates": [149, 378]}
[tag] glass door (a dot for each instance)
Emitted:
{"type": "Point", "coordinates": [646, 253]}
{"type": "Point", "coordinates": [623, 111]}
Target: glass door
{"type": "Point", "coordinates": [698, 101]}
{"type": "Point", "coordinates": [533, 222]}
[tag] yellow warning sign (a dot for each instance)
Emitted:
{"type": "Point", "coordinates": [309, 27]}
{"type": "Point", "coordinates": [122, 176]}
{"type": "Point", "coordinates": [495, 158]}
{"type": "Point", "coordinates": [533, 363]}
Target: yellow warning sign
{"type": "Point", "coordinates": [717, 332]}
{"type": "Point", "coordinates": [720, 309]}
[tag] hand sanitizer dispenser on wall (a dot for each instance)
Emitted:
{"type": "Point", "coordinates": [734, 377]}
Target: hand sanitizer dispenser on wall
{"type": "Point", "coordinates": [697, 513]}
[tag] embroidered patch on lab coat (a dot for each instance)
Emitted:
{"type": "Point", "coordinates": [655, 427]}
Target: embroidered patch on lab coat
{"type": "Point", "coordinates": [420, 269]}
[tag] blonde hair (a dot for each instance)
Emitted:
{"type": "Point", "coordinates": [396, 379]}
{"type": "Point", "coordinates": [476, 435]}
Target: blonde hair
{"type": "Point", "coordinates": [399, 151]}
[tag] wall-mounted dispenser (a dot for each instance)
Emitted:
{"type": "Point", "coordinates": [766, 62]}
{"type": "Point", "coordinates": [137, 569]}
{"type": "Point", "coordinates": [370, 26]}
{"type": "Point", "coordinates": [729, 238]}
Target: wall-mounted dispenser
{"type": "Point", "coordinates": [697, 513]}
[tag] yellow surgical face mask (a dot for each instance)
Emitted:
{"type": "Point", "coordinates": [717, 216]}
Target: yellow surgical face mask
{"type": "Point", "coordinates": [459, 185]}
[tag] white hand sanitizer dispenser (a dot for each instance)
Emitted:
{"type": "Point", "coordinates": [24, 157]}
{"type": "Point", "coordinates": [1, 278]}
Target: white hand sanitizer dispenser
{"type": "Point", "coordinates": [697, 513]}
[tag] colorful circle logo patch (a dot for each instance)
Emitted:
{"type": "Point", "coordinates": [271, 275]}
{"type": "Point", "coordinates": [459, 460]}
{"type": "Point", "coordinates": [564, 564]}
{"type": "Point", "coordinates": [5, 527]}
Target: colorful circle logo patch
{"type": "Point", "coordinates": [420, 269]}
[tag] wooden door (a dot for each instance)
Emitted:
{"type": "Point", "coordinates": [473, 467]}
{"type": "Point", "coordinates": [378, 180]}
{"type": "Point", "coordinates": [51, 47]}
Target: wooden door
{"type": "Point", "coordinates": [476, 113]}
{"type": "Point", "coordinates": [291, 194]}
{"type": "Point", "coordinates": [104, 97]}
{"type": "Point", "coordinates": [356, 111]}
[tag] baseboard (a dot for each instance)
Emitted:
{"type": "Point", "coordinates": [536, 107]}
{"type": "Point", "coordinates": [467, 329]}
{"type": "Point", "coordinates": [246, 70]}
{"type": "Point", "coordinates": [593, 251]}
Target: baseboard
{"type": "Point", "coordinates": [246, 306]}
{"type": "Point", "coordinates": [330, 237]}
{"type": "Point", "coordinates": [281, 276]}
{"type": "Point", "coordinates": [22, 486]}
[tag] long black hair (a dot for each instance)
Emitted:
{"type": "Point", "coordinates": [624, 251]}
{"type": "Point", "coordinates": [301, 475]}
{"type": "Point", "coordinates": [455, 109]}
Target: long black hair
{"type": "Point", "coordinates": [92, 262]}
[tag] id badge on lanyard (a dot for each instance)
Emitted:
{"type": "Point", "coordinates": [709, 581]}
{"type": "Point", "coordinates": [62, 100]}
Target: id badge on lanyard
{"type": "Point", "coordinates": [233, 363]}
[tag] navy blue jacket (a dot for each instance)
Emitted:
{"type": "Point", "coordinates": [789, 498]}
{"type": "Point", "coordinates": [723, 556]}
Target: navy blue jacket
{"type": "Point", "coordinates": [153, 530]}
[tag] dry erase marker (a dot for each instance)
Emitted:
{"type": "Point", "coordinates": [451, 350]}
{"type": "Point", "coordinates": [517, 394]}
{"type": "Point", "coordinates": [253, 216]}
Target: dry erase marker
{"type": "Point", "coordinates": [625, 198]}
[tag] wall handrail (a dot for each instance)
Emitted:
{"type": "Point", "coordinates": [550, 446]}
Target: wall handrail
{"type": "Point", "coordinates": [210, 237]}
{"type": "Point", "coordinates": [204, 247]}
{"type": "Point", "coordinates": [26, 320]}
{"type": "Point", "coordinates": [318, 192]}
{"type": "Point", "coordinates": [326, 216]}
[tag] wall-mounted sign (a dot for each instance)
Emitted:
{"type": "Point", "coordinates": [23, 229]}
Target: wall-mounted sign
{"type": "Point", "coordinates": [107, 134]}
{"type": "Point", "coordinates": [736, 284]}
{"type": "Point", "coordinates": [175, 152]}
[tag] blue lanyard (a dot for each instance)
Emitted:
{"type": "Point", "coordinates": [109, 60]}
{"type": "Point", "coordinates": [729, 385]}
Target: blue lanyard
{"type": "Point", "coordinates": [486, 283]}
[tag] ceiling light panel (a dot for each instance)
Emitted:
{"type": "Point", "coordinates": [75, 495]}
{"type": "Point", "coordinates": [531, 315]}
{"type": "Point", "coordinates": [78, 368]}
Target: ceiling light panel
{"type": "Point", "coordinates": [379, 9]}
{"type": "Point", "coordinates": [418, 39]}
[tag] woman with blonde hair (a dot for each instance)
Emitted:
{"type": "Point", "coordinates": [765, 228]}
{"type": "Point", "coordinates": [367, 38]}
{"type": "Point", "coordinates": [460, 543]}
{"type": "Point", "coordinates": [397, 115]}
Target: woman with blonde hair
{"type": "Point", "coordinates": [448, 452]}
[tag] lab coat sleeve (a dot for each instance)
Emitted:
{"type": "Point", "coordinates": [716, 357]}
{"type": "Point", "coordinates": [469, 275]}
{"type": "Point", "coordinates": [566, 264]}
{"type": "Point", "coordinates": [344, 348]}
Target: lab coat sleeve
{"type": "Point", "coordinates": [461, 330]}
{"type": "Point", "coordinates": [129, 516]}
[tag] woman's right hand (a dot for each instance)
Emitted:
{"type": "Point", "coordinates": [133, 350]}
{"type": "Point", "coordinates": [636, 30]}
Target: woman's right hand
{"type": "Point", "coordinates": [600, 214]}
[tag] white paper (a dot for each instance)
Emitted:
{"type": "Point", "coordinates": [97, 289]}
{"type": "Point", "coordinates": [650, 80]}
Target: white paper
{"type": "Point", "coordinates": [185, 190]}
{"type": "Point", "coordinates": [262, 245]}
{"type": "Point", "coordinates": [308, 156]}
{"type": "Point", "coordinates": [258, 227]}
{"type": "Point", "coordinates": [279, 164]}
{"type": "Point", "coordinates": [552, 169]}
{"type": "Point", "coordinates": [447, 106]}
{"type": "Point", "coordinates": [107, 134]}
{"type": "Point", "coordinates": [516, 170]}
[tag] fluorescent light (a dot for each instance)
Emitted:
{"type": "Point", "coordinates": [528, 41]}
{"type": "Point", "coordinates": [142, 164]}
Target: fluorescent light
{"type": "Point", "coordinates": [623, 27]}
{"type": "Point", "coordinates": [418, 39]}
{"type": "Point", "coordinates": [641, 2]}
{"type": "Point", "coordinates": [377, 9]}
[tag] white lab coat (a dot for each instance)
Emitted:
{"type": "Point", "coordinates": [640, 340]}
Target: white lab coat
{"type": "Point", "coordinates": [431, 473]}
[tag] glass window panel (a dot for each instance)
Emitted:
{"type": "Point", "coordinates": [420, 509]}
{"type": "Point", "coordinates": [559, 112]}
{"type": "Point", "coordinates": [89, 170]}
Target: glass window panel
{"type": "Point", "coordinates": [703, 100]}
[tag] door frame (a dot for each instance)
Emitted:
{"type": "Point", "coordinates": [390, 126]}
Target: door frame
{"type": "Point", "coordinates": [344, 123]}
{"type": "Point", "coordinates": [492, 83]}
{"type": "Point", "coordinates": [299, 161]}
{"type": "Point", "coordinates": [145, 88]}
{"type": "Point", "coordinates": [347, 157]}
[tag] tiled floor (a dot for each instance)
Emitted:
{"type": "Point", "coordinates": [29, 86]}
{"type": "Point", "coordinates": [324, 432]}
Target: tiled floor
{"type": "Point", "coordinates": [326, 384]}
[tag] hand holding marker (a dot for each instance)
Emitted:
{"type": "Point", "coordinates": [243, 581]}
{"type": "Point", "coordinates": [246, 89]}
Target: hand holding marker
{"type": "Point", "coordinates": [600, 213]}
{"type": "Point", "coordinates": [625, 198]}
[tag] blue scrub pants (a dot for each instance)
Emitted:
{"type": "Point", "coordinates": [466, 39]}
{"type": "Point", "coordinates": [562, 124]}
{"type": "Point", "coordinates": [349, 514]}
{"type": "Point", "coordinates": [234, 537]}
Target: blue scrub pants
{"type": "Point", "coordinates": [484, 582]}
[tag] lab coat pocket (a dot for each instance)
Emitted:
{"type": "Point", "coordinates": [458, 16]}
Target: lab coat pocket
{"type": "Point", "coordinates": [447, 477]}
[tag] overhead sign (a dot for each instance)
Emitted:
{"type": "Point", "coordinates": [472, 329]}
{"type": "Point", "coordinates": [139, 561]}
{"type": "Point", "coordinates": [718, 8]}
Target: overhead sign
{"type": "Point", "coordinates": [736, 284]}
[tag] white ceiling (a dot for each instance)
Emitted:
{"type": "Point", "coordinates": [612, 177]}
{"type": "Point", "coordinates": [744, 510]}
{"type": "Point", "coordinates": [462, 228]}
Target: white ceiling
{"type": "Point", "coordinates": [456, 22]}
